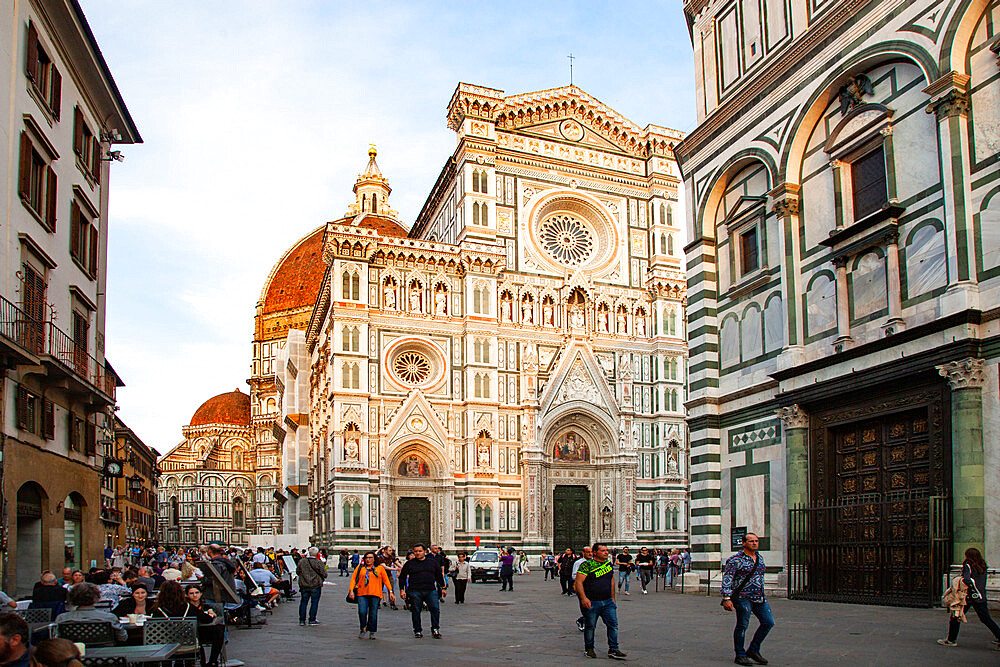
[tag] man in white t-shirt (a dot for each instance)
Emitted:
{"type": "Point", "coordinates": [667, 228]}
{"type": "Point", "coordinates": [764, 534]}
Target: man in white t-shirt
{"type": "Point", "coordinates": [260, 556]}
{"type": "Point", "coordinates": [264, 578]}
{"type": "Point", "coordinates": [588, 553]}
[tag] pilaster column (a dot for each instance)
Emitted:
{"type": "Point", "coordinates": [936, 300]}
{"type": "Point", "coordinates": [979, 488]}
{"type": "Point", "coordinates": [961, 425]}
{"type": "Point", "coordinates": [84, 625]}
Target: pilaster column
{"type": "Point", "coordinates": [786, 207]}
{"type": "Point", "coordinates": [967, 378]}
{"type": "Point", "coordinates": [796, 423]}
{"type": "Point", "coordinates": [843, 312]}
{"type": "Point", "coordinates": [895, 323]}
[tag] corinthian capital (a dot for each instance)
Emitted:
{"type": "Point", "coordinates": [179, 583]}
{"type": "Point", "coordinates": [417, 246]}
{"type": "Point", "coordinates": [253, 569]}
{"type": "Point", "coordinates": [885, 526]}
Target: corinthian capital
{"type": "Point", "coordinates": [967, 373]}
{"type": "Point", "coordinates": [793, 417]}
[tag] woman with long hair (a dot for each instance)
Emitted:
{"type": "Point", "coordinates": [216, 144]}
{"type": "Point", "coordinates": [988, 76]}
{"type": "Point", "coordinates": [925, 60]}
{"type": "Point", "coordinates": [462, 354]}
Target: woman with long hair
{"type": "Point", "coordinates": [366, 585]}
{"type": "Point", "coordinates": [213, 634]}
{"type": "Point", "coordinates": [137, 604]}
{"type": "Point", "coordinates": [974, 576]}
{"type": "Point", "coordinates": [172, 603]}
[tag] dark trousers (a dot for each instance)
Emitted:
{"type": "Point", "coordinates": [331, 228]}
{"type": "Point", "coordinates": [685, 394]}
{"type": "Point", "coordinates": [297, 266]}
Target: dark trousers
{"type": "Point", "coordinates": [762, 610]}
{"type": "Point", "coordinates": [549, 572]}
{"type": "Point", "coordinates": [215, 636]}
{"type": "Point", "coordinates": [417, 599]}
{"type": "Point", "coordinates": [645, 574]}
{"type": "Point", "coordinates": [309, 594]}
{"type": "Point", "coordinates": [506, 578]}
{"type": "Point", "coordinates": [982, 611]}
{"type": "Point", "coordinates": [368, 612]}
{"type": "Point", "coordinates": [566, 581]}
{"type": "Point", "coordinates": [460, 585]}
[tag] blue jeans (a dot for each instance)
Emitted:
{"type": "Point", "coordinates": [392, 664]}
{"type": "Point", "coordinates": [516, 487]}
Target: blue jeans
{"type": "Point", "coordinates": [368, 612]}
{"type": "Point", "coordinates": [307, 594]}
{"type": "Point", "coordinates": [762, 610]}
{"type": "Point", "coordinates": [392, 581]}
{"type": "Point", "coordinates": [608, 611]}
{"type": "Point", "coordinates": [417, 600]}
{"type": "Point", "coordinates": [623, 576]}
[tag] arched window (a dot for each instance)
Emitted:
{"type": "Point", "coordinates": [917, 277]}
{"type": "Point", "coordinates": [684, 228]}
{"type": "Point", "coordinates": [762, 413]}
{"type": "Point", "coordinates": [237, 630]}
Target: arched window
{"type": "Point", "coordinates": [352, 513]}
{"type": "Point", "coordinates": [483, 182]}
{"type": "Point", "coordinates": [670, 216]}
{"type": "Point", "coordinates": [345, 372]}
{"type": "Point", "coordinates": [663, 244]}
{"type": "Point", "coordinates": [346, 291]}
{"type": "Point", "coordinates": [670, 244]}
{"type": "Point", "coordinates": [663, 214]}
{"type": "Point", "coordinates": [239, 519]}
{"type": "Point", "coordinates": [484, 517]}
{"type": "Point", "coordinates": [484, 214]}
{"type": "Point", "coordinates": [356, 285]}
{"type": "Point", "coordinates": [475, 180]}
{"type": "Point", "coordinates": [356, 339]}
{"type": "Point", "coordinates": [486, 301]}
{"type": "Point", "coordinates": [175, 511]}
{"type": "Point", "coordinates": [477, 303]}
{"type": "Point", "coordinates": [475, 213]}
{"type": "Point", "coordinates": [346, 342]}
{"type": "Point", "coordinates": [356, 376]}
{"type": "Point", "coordinates": [672, 323]}
{"type": "Point", "coordinates": [486, 351]}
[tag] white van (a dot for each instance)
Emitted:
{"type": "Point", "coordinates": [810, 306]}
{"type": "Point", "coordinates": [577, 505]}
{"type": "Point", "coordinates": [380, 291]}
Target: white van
{"type": "Point", "coordinates": [485, 564]}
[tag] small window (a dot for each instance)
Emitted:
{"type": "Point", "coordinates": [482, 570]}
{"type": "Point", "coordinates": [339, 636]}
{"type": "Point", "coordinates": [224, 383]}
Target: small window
{"type": "Point", "coordinates": [749, 251]}
{"type": "Point", "coordinates": [483, 175]}
{"type": "Point", "coordinates": [84, 240]}
{"type": "Point", "coordinates": [475, 180]}
{"type": "Point", "coordinates": [37, 183]}
{"type": "Point", "coordinates": [42, 73]}
{"type": "Point", "coordinates": [475, 213]}
{"type": "Point", "coordinates": [868, 183]}
{"type": "Point", "coordinates": [86, 146]}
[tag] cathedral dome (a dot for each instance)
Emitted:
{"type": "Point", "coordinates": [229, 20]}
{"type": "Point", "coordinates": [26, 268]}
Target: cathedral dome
{"type": "Point", "coordinates": [296, 278]}
{"type": "Point", "coordinates": [229, 408]}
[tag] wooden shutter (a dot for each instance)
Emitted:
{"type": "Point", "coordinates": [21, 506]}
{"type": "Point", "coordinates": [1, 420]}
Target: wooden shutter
{"type": "Point", "coordinates": [74, 433]}
{"type": "Point", "coordinates": [95, 160]}
{"type": "Point", "coordinates": [93, 250]}
{"type": "Point", "coordinates": [77, 131]}
{"type": "Point", "coordinates": [74, 232]}
{"type": "Point", "coordinates": [56, 96]}
{"type": "Point", "coordinates": [31, 67]}
{"type": "Point", "coordinates": [48, 419]}
{"type": "Point", "coordinates": [50, 198]}
{"type": "Point", "coordinates": [90, 444]}
{"type": "Point", "coordinates": [22, 408]}
{"type": "Point", "coordinates": [24, 175]}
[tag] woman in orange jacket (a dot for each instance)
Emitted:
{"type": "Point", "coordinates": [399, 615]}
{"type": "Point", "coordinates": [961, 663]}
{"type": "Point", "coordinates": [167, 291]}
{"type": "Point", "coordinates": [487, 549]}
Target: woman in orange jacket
{"type": "Point", "coordinates": [366, 585]}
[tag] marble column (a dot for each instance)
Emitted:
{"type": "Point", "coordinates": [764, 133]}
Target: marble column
{"type": "Point", "coordinates": [843, 312]}
{"type": "Point", "coordinates": [895, 323]}
{"type": "Point", "coordinates": [967, 378]}
{"type": "Point", "coordinates": [796, 423]}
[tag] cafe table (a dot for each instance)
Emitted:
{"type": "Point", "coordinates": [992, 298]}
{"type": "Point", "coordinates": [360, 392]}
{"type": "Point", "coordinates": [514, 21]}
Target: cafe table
{"type": "Point", "coordinates": [135, 654]}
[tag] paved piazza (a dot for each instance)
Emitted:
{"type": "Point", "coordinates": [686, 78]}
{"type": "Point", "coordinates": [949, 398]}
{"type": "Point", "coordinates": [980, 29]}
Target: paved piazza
{"type": "Point", "coordinates": [534, 625]}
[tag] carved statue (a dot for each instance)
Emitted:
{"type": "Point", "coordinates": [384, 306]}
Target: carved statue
{"type": "Point", "coordinates": [604, 321]}
{"type": "Point", "coordinates": [606, 523]}
{"type": "Point", "coordinates": [483, 455]}
{"type": "Point", "coordinates": [640, 325]}
{"type": "Point", "coordinates": [505, 310]}
{"type": "Point", "coordinates": [622, 325]}
{"type": "Point", "coordinates": [576, 318]}
{"type": "Point", "coordinates": [527, 312]}
{"type": "Point", "coordinates": [352, 444]}
{"type": "Point", "coordinates": [415, 299]}
{"type": "Point", "coordinates": [672, 467]}
{"type": "Point", "coordinates": [389, 296]}
{"type": "Point", "coordinates": [547, 314]}
{"type": "Point", "coordinates": [441, 302]}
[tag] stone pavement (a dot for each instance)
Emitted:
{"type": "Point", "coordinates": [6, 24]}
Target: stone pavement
{"type": "Point", "coordinates": [534, 625]}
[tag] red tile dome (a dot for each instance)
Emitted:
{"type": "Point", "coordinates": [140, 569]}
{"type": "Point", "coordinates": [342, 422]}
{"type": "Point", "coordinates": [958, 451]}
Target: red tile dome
{"type": "Point", "coordinates": [296, 279]}
{"type": "Point", "coordinates": [229, 408]}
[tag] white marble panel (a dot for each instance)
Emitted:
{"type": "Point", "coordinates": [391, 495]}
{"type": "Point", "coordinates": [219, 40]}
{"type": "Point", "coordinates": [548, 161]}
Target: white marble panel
{"type": "Point", "coordinates": [774, 325]}
{"type": "Point", "coordinates": [817, 202]}
{"type": "Point", "coordinates": [750, 503]}
{"type": "Point", "coordinates": [989, 234]}
{"type": "Point", "coordinates": [868, 285]}
{"type": "Point", "coordinates": [751, 332]}
{"type": "Point", "coordinates": [730, 342]}
{"type": "Point", "coordinates": [821, 305]}
{"type": "Point", "coordinates": [926, 264]}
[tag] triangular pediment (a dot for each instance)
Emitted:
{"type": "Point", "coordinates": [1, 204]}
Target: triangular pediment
{"type": "Point", "coordinates": [416, 418]}
{"type": "Point", "coordinates": [579, 379]}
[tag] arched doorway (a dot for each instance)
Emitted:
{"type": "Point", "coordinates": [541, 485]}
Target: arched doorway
{"type": "Point", "coordinates": [30, 499]}
{"type": "Point", "coordinates": [73, 530]}
{"type": "Point", "coordinates": [417, 498]}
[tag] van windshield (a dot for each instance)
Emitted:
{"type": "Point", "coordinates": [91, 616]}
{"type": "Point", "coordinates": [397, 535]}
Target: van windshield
{"type": "Point", "coordinates": [484, 557]}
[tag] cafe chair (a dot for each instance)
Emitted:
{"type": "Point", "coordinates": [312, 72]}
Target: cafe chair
{"type": "Point", "coordinates": [90, 633]}
{"type": "Point", "coordinates": [36, 615]}
{"type": "Point", "coordinates": [183, 631]}
{"type": "Point", "coordinates": [110, 661]}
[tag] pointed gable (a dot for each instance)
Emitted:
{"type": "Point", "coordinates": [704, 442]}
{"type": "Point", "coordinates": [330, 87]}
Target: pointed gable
{"type": "Point", "coordinates": [416, 418]}
{"type": "Point", "coordinates": [579, 378]}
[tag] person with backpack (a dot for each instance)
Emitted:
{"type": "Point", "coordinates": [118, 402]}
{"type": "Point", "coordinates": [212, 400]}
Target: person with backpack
{"type": "Point", "coordinates": [974, 577]}
{"type": "Point", "coordinates": [743, 592]}
{"type": "Point", "coordinates": [311, 571]}
{"type": "Point", "coordinates": [366, 585]}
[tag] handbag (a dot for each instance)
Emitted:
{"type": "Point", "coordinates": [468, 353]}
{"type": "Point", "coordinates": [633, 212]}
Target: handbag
{"type": "Point", "coordinates": [348, 598]}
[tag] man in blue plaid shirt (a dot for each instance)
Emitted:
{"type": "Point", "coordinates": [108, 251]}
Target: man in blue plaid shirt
{"type": "Point", "coordinates": [743, 592]}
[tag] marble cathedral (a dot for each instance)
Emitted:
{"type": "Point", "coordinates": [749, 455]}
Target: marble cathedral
{"type": "Point", "coordinates": [509, 367]}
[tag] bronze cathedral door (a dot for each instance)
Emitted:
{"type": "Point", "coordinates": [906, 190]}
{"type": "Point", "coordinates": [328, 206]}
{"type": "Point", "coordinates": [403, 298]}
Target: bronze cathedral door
{"type": "Point", "coordinates": [413, 517]}
{"type": "Point", "coordinates": [570, 518]}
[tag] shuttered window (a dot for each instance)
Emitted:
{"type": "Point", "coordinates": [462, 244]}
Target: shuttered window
{"type": "Point", "coordinates": [37, 183]}
{"type": "Point", "coordinates": [86, 146]}
{"type": "Point", "coordinates": [34, 414]}
{"type": "Point", "coordinates": [868, 183]}
{"type": "Point", "coordinates": [42, 73]}
{"type": "Point", "coordinates": [84, 240]}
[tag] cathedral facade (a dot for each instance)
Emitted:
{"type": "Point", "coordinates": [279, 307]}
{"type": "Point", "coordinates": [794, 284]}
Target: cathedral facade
{"type": "Point", "coordinates": [509, 368]}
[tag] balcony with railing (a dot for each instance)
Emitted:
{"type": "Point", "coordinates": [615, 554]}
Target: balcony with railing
{"type": "Point", "coordinates": [33, 341]}
{"type": "Point", "coordinates": [111, 515]}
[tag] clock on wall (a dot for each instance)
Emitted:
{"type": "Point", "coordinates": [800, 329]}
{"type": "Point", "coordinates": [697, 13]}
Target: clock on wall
{"type": "Point", "coordinates": [113, 468]}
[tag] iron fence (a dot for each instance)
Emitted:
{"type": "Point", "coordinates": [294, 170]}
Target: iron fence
{"type": "Point", "coordinates": [889, 549]}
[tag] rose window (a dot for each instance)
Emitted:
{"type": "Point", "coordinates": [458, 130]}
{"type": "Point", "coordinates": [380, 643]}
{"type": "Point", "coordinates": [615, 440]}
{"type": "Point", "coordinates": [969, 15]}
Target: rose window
{"type": "Point", "coordinates": [566, 239]}
{"type": "Point", "coordinates": [412, 367]}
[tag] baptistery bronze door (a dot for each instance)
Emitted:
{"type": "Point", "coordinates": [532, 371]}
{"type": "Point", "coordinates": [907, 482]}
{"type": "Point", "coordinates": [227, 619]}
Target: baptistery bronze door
{"type": "Point", "coordinates": [570, 518]}
{"type": "Point", "coordinates": [413, 516]}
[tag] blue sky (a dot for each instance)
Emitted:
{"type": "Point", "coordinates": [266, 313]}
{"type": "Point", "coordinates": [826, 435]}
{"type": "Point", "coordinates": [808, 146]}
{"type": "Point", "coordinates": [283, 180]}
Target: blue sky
{"type": "Point", "coordinates": [257, 117]}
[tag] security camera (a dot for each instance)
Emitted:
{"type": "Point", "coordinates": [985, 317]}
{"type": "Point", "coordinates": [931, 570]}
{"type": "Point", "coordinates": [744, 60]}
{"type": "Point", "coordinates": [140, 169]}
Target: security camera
{"type": "Point", "coordinates": [117, 155]}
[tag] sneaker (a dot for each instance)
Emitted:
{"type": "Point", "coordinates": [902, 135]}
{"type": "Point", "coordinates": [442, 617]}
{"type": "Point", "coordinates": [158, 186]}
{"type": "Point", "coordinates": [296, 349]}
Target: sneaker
{"type": "Point", "coordinates": [626, 592]}
{"type": "Point", "coordinates": [371, 635]}
{"type": "Point", "coordinates": [743, 660]}
{"type": "Point", "coordinates": [418, 635]}
{"type": "Point", "coordinates": [645, 592]}
{"type": "Point", "coordinates": [313, 622]}
{"type": "Point", "coordinates": [757, 657]}
{"type": "Point", "coordinates": [945, 642]}
{"type": "Point", "coordinates": [617, 655]}
{"type": "Point", "coordinates": [581, 626]}
{"type": "Point", "coordinates": [361, 635]}
{"type": "Point", "coordinates": [590, 653]}
{"type": "Point", "coordinates": [436, 634]}
{"type": "Point", "coordinates": [302, 623]}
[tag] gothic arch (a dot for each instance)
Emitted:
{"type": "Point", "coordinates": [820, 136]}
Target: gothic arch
{"type": "Point", "coordinates": [713, 194]}
{"type": "Point", "coordinates": [598, 430]}
{"type": "Point", "coordinates": [432, 454]}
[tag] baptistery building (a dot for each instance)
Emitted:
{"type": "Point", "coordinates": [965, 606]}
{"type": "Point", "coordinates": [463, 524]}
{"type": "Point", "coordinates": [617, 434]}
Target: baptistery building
{"type": "Point", "coordinates": [507, 367]}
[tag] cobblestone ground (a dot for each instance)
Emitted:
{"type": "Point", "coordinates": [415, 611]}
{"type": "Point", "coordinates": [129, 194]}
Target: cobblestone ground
{"type": "Point", "coordinates": [534, 625]}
